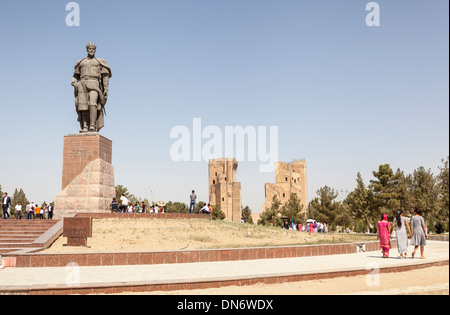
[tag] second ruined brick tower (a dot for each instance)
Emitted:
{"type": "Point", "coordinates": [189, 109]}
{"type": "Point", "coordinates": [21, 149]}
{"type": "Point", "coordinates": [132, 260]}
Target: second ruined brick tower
{"type": "Point", "coordinates": [290, 178]}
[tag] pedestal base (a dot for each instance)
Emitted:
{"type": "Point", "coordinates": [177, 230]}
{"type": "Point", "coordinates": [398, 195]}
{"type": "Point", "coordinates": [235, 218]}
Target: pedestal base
{"type": "Point", "coordinates": [88, 176]}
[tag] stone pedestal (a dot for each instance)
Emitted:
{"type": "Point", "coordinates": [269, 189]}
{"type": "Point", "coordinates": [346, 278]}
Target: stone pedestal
{"type": "Point", "coordinates": [88, 175]}
{"type": "Point", "coordinates": [77, 230]}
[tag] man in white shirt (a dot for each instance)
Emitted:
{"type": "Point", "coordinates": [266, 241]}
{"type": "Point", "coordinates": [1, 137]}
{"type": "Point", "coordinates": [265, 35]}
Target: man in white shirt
{"type": "Point", "coordinates": [205, 210]}
{"type": "Point", "coordinates": [30, 210]}
{"type": "Point", "coordinates": [123, 207]}
{"type": "Point", "coordinates": [19, 211]}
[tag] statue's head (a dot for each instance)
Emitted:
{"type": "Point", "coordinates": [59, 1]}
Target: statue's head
{"type": "Point", "coordinates": [91, 49]}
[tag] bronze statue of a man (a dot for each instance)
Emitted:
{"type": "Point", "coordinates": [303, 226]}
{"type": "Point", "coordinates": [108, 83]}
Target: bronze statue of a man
{"type": "Point", "coordinates": [91, 83]}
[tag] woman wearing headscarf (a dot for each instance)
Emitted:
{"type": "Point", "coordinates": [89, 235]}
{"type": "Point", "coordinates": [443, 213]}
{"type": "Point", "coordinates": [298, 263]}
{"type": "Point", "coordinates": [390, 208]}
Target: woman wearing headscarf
{"type": "Point", "coordinates": [419, 234]}
{"type": "Point", "coordinates": [384, 235]}
{"type": "Point", "coordinates": [401, 227]}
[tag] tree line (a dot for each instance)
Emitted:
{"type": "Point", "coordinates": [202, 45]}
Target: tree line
{"type": "Point", "coordinates": [387, 193]}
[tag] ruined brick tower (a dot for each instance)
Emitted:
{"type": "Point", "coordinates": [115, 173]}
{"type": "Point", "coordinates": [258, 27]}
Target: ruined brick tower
{"type": "Point", "coordinates": [224, 191]}
{"type": "Point", "coordinates": [290, 179]}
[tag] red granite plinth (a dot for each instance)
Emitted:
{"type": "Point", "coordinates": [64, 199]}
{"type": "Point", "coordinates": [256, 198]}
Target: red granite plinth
{"type": "Point", "coordinates": [77, 242]}
{"type": "Point", "coordinates": [80, 150]}
{"type": "Point", "coordinates": [77, 230]}
{"type": "Point", "coordinates": [88, 175]}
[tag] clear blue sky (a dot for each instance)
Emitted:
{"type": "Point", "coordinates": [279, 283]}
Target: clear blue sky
{"type": "Point", "coordinates": [346, 97]}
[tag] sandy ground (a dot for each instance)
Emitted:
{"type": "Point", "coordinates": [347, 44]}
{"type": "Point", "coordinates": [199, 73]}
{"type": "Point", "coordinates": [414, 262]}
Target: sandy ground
{"type": "Point", "coordinates": [431, 281]}
{"type": "Point", "coordinates": [128, 235]}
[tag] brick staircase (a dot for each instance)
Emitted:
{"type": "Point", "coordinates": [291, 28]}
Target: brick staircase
{"type": "Point", "coordinates": [20, 234]}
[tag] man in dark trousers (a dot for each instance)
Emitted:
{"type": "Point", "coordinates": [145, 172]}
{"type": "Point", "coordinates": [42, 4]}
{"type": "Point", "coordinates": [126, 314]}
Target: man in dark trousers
{"type": "Point", "coordinates": [193, 203]}
{"type": "Point", "coordinates": [6, 203]}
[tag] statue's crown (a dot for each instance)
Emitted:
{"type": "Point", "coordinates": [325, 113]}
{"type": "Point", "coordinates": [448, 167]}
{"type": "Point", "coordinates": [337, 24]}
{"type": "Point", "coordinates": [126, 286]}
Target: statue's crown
{"type": "Point", "coordinates": [91, 45]}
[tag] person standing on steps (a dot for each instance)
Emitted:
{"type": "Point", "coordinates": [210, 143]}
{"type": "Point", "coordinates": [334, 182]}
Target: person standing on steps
{"type": "Point", "coordinates": [6, 203]}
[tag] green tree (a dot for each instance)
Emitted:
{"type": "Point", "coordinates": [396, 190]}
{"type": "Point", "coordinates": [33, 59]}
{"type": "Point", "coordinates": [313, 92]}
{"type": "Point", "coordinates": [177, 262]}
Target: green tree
{"type": "Point", "coordinates": [387, 197]}
{"type": "Point", "coordinates": [247, 215]}
{"type": "Point", "coordinates": [324, 208]}
{"type": "Point", "coordinates": [293, 209]}
{"type": "Point", "coordinates": [14, 201]}
{"type": "Point", "coordinates": [177, 207]}
{"type": "Point", "coordinates": [443, 190]}
{"type": "Point", "coordinates": [18, 196]}
{"type": "Point", "coordinates": [271, 216]}
{"type": "Point", "coordinates": [406, 195]}
{"type": "Point", "coordinates": [359, 203]}
{"type": "Point", "coordinates": [425, 191]}
{"type": "Point", "coordinates": [218, 214]}
{"type": "Point", "coordinates": [343, 216]}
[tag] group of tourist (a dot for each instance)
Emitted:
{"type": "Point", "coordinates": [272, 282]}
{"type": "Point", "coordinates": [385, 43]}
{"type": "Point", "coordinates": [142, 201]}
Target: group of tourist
{"type": "Point", "coordinates": [316, 227]}
{"type": "Point", "coordinates": [416, 229]}
{"type": "Point", "coordinates": [128, 207]}
{"type": "Point", "coordinates": [310, 226]}
{"type": "Point", "coordinates": [32, 211]}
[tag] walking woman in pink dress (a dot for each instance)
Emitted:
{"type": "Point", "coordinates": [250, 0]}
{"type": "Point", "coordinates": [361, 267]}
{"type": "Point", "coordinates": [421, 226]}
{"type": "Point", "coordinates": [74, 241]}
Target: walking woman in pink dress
{"type": "Point", "coordinates": [384, 235]}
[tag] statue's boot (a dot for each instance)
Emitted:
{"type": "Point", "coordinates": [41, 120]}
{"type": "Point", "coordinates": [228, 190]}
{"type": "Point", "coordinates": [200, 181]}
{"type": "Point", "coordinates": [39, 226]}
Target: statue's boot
{"type": "Point", "coordinates": [85, 117]}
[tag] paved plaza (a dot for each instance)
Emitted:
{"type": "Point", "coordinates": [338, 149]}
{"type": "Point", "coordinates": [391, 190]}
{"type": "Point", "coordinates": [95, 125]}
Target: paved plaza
{"type": "Point", "coordinates": [46, 278]}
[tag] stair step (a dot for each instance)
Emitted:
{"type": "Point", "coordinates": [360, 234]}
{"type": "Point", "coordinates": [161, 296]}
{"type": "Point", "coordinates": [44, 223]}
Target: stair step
{"type": "Point", "coordinates": [24, 233]}
{"type": "Point", "coordinates": [13, 221]}
{"type": "Point", "coordinates": [24, 229]}
{"type": "Point", "coordinates": [4, 251]}
{"type": "Point", "coordinates": [16, 241]}
{"type": "Point", "coordinates": [15, 245]}
{"type": "Point", "coordinates": [25, 225]}
{"type": "Point", "coordinates": [19, 236]}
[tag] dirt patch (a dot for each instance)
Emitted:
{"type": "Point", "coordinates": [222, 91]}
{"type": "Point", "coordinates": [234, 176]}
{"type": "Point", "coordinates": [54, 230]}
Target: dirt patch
{"type": "Point", "coordinates": [131, 235]}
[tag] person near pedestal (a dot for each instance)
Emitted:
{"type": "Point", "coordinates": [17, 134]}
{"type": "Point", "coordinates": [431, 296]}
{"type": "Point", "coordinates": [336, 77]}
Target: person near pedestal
{"type": "Point", "coordinates": [6, 203]}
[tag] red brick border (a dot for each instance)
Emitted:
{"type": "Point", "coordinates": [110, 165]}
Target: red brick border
{"type": "Point", "coordinates": [186, 256]}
